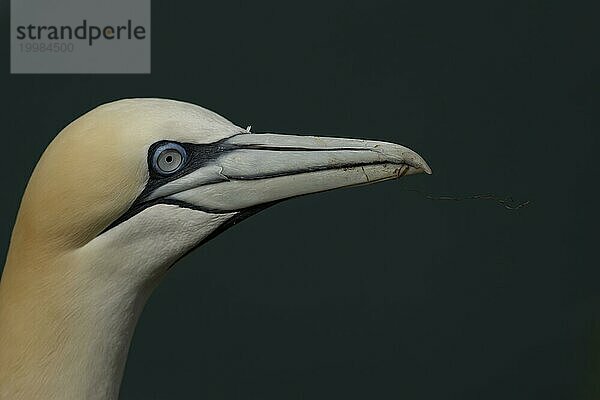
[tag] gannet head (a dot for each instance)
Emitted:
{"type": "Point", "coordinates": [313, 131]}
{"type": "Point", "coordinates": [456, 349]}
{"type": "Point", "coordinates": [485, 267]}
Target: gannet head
{"type": "Point", "coordinates": [134, 185]}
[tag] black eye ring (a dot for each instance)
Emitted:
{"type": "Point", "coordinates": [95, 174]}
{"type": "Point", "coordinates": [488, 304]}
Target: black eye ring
{"type": "Point", "coordinates": [168, 158]}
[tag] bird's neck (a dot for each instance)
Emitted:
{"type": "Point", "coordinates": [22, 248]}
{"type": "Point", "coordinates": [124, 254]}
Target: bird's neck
{"type": "Point", "coordinates": [63, 337]}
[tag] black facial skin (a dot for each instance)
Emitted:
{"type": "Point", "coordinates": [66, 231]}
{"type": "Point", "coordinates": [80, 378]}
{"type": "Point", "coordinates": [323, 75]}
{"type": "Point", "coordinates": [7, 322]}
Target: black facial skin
{"type": "Point", "coordinates": [198, 155]}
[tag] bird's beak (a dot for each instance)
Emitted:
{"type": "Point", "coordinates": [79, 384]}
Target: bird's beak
{"type": "Point", "coordinates": [248, 170]}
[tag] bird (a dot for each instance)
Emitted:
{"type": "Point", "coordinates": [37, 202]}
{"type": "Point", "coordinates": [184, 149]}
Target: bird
{"type": "Point", "coordinates": [116, 199]}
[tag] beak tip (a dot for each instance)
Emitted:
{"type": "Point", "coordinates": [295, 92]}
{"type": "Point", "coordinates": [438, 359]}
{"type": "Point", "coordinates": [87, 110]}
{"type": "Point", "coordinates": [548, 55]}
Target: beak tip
{"type": "Point", "coordinates": [427, 169]}
{"type": "Point", "coordinates": [417, 162]}
{"type": "Point", "coordinates": [421, 164]}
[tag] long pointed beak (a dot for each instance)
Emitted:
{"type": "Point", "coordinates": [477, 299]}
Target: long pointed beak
{"type": "Point", "coordinates": [248, 170]}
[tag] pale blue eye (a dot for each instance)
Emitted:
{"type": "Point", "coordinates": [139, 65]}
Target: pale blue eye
{"type": "Point", "coordinates": [168, 158]}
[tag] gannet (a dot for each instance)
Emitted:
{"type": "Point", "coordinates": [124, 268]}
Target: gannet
{"type": "Point", "coordinates": [116, 199]}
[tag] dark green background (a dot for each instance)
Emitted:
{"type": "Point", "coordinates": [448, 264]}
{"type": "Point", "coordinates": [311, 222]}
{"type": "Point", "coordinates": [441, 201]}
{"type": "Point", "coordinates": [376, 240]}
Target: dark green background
{"type": "Point", "coordinates": [372, 292]}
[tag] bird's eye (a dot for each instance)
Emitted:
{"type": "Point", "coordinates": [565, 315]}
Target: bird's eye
{"type": "Point", "coordinates": [168, 158]}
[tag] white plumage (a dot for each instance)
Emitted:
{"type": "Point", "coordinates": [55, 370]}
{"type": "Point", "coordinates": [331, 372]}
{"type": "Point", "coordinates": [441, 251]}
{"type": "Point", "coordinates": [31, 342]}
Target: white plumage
{"type": "Point", "coordinates": [102, 220]}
